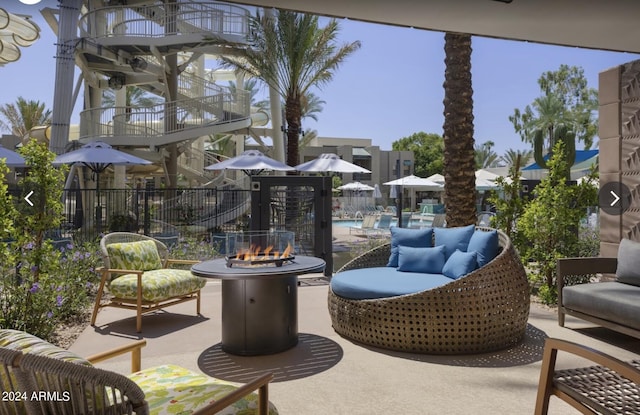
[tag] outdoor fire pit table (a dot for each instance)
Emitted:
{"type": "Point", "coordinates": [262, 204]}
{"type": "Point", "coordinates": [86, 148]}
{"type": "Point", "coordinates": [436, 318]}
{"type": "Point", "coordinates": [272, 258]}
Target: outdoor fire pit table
{"type": "Point", "coordinates": [259, 303]}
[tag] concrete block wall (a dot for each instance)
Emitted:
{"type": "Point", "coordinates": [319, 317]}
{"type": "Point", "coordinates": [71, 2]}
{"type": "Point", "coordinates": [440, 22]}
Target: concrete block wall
{"type": "Point", "coordinates": [619, 132]}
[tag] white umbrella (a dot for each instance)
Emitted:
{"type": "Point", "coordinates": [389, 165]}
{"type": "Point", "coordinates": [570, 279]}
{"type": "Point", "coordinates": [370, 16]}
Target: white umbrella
{"type": "Point", "coordinates": [97, 156]}
{"type": "Point", "coordinates": [356, 186]}
{"type": "Point", "coordinates": [252, 162]}
{"type": "Point", "coordinates": [376, 191]}
{"type": "Point", "coordinates": [416, 182]}
{"type": "Point", "coordinates": [329, 162]}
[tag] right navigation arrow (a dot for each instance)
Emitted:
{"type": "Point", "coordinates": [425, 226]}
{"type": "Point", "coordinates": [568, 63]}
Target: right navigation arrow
{"type": "Point", "coordinates": [616, 198]}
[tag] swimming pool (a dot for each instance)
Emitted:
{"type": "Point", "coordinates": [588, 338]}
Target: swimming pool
{"type": "Point", "coordinates": [356, 223]}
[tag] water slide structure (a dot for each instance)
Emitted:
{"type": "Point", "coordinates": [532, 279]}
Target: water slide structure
{"type": "Point", "coordinates": [163, 48]}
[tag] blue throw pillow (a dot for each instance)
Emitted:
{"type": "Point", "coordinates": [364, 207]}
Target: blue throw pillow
{"type": "Point", "coordinates": [425, 260]}
{"type": "Point", "coordinates": [485, 243]}
{"type": "Point", "coordinates": [454, 238]}
{"type": "Point", "coordinates": [417, 238]}
{"type": "Point", "coordinates": [459, 264]}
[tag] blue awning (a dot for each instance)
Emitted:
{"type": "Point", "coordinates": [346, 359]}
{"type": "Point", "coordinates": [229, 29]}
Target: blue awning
{"type": "Point", "coordinates": [581, 155]}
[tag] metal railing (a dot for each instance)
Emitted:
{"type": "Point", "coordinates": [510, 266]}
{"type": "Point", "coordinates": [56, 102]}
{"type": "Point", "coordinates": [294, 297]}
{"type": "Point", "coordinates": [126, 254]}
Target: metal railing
{"type": "Point", "coordinates": [151, 211]}
{"type": "Point", "coordinates": [150, 21]}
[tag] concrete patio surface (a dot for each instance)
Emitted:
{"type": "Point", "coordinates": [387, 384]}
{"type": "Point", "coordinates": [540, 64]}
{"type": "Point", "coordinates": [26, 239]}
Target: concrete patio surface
{"type": "Point", "coordinates": [328, 374]}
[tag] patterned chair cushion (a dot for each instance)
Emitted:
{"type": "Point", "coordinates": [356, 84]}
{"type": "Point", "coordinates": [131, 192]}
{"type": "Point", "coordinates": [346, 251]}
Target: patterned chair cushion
{"type": "Point", "coordinates": [158, 284]}
{"type": "Point", "coordinates": [28, 343]}
{"type": "Point", "coordinates": [171, 389]}
{"type": "Point", "coordinates": [139, 255]}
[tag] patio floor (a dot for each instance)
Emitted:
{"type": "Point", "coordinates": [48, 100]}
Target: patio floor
{"type": "Point", "coordinates": [328, 374]}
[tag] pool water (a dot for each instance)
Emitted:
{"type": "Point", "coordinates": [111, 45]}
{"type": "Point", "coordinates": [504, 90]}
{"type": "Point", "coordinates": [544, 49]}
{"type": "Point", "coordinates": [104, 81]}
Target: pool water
{"type": "Point", "coordinates": [358, 223]}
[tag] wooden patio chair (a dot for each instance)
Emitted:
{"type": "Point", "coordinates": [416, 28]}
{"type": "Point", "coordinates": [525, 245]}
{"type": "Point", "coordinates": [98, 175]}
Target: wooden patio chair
{"type": "Point", "coordinates": [610, 387]}
{"type": "Point", "coordinates": [51, 380]}
{"type": "Point", "coordinates": [137, 274]}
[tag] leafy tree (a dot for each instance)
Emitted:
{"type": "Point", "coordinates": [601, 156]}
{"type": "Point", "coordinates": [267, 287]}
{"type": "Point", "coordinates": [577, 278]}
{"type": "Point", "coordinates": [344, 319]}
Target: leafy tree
{"type": "Point", "coordinates": [485, 156]}
{"type": "Point", "coordinates": [459, 157]}
{"type": "Point", "coordinates": [509, 206]}
{"type": "Point", "coordinates": [566, 101]}
{"type": "Point", "coordinates": [428, 152]}
{"type": "Point", "coordinates": [511, 156]}
{"type": "Point", "coordinates": [21, 117]}
{"type": "Point", "coordinates": [291, 53]}
{"type": "Point", "coordinates": [549, 223]}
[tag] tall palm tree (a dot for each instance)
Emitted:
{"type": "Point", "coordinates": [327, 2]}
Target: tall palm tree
{"type": "Point", "coordinates": [485, 156]}
{"type": "Point", "coordinates": [22, 116]}
{"type": "Point", "coordinates": [291, 53]}
{"type": "Point", "coordinates": [512, 156]}
{"type": "Point", "coordinates": [459, 156]}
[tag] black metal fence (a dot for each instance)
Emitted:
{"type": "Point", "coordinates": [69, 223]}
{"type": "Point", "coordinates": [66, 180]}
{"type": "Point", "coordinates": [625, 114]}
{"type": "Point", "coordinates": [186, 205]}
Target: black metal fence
{"type": "Point", "coordinates": [152, 211]}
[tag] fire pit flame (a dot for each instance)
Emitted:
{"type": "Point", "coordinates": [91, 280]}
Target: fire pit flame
{"type": "Point", "coordinates": [256, 256]}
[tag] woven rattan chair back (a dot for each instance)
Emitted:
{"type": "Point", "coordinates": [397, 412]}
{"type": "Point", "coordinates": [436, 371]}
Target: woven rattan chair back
{"type": "Point", "coordinates": [54, 386]}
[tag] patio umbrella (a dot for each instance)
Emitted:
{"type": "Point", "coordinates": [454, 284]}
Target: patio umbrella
{"type": "Point", "coordinates": [97, 156]}
{"type": "Point", "coordinates": [329, 162]}
{"type": "Point", "coordinates": [251, 162]}
{"type": "Point", "coordinates": [356, 188]}
{"type": "Point", "coordinates": [11, 158]}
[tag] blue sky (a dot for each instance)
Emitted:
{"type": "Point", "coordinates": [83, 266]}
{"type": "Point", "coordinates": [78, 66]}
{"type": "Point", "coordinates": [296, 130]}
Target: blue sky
{"type": "Point", "coordinates": [389, 89]}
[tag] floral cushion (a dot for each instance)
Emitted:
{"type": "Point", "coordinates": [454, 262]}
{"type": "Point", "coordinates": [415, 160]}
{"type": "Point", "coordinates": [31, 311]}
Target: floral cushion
{"type": "Point", "coordinates": [171, 389]}
{"type": "Point", "coordinates": [139, 256]}
{"type": "Point", "coordinates": [28, 343]}
{"type": "Point", "coordinates": [157, 285]}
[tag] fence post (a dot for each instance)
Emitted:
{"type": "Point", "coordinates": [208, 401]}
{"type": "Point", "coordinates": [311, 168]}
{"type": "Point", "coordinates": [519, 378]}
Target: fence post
{"type": "Point", "coordinates": [147, 213]}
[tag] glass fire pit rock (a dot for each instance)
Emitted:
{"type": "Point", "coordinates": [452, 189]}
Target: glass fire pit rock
{"type": "Point", "coordinates": [259, 248]}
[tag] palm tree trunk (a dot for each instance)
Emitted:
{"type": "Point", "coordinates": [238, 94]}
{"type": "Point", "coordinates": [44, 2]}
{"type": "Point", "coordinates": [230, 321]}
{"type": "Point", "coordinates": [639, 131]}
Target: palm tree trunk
{"type": "Point", "coordinates": [293, 114]}
{"type": "Point", "coordinates": [459, 161]}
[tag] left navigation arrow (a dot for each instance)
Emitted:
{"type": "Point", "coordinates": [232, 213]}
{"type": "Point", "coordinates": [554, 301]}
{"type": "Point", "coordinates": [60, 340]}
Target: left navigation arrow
{"type": "Point", "coordinates": [27, 198]}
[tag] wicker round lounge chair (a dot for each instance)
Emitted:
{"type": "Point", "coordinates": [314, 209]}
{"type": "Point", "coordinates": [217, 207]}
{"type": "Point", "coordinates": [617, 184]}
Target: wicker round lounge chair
{"type": "Point", "coordinates": [483, 311]}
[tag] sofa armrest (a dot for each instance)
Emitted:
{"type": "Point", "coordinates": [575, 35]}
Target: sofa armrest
{"type": "Point", "coordinates": [261, 384]}
{"type": "Point", "coordinates": [574, 385]}
{"type": "Point", "coordinates": [134, 347]}
{"type": "Point", "coordinates": [580, 266]}
{"type": "Point", "coordinates": [584, 266]}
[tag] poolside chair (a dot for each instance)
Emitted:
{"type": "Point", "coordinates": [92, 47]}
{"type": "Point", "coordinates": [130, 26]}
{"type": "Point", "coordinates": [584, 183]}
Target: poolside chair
{"type": "Point", "coordinates": [138, 276]}
{"type": "Point", "coordinates": [71, 384]}
{"type": "Point", "coordinates": [383, 228]}
{"type": "Point", "coordinates": [368, 223]}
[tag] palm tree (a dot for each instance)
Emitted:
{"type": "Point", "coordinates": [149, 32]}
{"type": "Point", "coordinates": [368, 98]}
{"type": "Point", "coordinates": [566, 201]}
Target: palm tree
{"type": "Point", "coordinates": [485, 156]}
{"type": "Point", "coordinates": [292, 54]}
{"type": "Point", "coordinates": [22, 116]}
{"type": "Point", "coordinates": [459, 156]}
{"type": "Point", "coordinates": [511, 156]}
{"type": "Point", "coordinates": [136, 98]}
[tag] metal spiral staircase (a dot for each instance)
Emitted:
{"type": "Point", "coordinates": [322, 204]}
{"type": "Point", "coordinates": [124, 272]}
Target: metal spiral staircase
{"type": "Point", "coordinates": [131, 42]}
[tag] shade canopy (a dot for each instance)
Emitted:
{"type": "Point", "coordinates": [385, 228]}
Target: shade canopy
{"type": "Point", "coordinates": [329, 162]}
{"type": "Point", "coordinates": [98, 156]}
{"type": "Point", "coordinates": [11, 158]}
{"type": "Point", "coordinates": [252, 162]}
{"type": "Point", "coordinates": [356, 186]}
{"type": "Point", "coordinates": [415, 182]}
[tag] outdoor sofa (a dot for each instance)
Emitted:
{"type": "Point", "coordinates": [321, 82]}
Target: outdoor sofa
{"type": "Point", "coordinates": [434, 290]}
{"type": "Point", "coordinates": [614, 304]}
{"type": "Point", "coordinates": [37, 377]}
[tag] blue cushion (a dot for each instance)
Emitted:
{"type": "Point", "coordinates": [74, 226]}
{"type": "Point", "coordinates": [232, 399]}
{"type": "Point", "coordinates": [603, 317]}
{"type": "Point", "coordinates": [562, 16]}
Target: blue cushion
{"type": "Point", "coordinates": [382, 282]}
{"type": "Point", "coordinates": [426, 260]}
{"type": "Point", "coordinates": [416, 238]}
{"type": "Point", "coordinates": [454, 238]}
{"type": "Point", "coordinates": [459, 264]}
{"type": "Point", "coordinates": [485, 243]}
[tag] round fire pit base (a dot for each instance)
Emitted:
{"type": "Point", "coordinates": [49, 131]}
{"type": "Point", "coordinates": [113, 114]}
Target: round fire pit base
{"type": "Point", "coordinates": [263, 313]}
{"type": "Point", "coordinates": [259, 304]}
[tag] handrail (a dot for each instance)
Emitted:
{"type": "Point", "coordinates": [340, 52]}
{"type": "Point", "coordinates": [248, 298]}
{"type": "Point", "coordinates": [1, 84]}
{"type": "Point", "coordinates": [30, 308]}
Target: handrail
{"type": "Point", "coordinates": [148, 20]}
{"type": "Point", "coordinates": [150, 121]}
